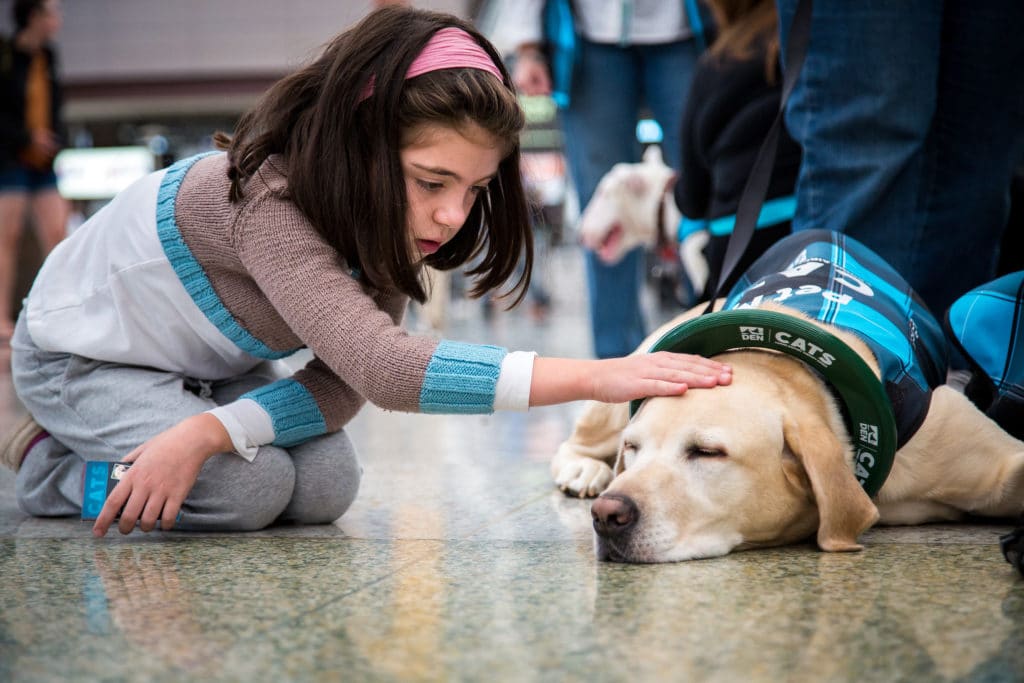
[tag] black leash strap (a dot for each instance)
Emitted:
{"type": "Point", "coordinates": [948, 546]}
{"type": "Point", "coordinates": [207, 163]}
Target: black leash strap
{"type": "Point", "coordinates": [754, 191]}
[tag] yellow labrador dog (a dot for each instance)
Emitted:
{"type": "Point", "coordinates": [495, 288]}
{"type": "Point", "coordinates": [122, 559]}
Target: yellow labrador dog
{"type": "Point", "coordinates": [769, 459]}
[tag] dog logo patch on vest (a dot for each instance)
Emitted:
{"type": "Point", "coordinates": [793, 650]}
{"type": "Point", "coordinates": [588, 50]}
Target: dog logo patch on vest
{"type": "Point", "coordinates": [753, 334]}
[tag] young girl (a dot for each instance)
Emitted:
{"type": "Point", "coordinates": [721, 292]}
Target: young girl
{"type": "Point", "coordinates": [154, 324]}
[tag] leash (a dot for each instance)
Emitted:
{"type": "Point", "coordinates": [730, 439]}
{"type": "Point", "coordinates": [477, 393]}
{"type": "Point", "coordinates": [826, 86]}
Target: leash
{"type": "Point", "coordinates": [756, 188]}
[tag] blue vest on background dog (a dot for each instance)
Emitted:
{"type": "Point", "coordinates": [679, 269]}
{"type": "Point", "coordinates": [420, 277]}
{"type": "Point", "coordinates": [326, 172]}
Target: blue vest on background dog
{"type": "Point", "coordinates": [987, 325]}
{"type": "Point", "coordinates": [836, 280]}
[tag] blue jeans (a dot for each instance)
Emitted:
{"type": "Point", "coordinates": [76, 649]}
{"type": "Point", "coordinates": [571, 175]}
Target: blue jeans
{"type": "Point", "coordinates": [609, 89]}
{"type": "Point", "coordinates": [911, 119]}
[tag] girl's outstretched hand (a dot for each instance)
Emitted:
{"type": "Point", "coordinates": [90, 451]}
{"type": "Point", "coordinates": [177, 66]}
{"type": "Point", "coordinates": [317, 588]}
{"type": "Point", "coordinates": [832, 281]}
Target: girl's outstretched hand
{"type": "Point", "coordinates": [616, 380]}
{"type": "Point", "coordinates": [165, 469]}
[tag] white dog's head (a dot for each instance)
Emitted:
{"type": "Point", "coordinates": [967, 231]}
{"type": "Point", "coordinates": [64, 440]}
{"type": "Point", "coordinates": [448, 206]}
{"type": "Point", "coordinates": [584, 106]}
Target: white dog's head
{"type": "Point", "coordinates": [626, 209]}
{"type": "Point", "coordinates": [763, 461]}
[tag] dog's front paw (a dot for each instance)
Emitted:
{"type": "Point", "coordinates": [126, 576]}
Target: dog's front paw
{"type": "Point", "coordinates": [583, 477]}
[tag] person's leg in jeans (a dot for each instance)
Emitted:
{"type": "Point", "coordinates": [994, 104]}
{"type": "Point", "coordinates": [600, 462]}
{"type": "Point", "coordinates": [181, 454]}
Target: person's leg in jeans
{"type": "Point", "coordinates": [101, 411]}
{"type": "Point", "coordinates": [909, 115]}
{"type": "Point", "coordinates": [600, 131]}
{"type": "Point", "coordinates": [975, 142]}
{"type": "Point", "coordinates": [609, 88]}
{"type": "Point", "coordinates": [861, 111]}
{"type": "Point", "coordinates": [667, 72]}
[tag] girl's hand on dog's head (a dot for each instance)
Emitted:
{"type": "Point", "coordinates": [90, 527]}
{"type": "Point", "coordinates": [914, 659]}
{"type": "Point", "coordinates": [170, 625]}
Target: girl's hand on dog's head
{"type": "Point", "coordinates": [656, 374]}
{"type": "Point", "coordinates": [617, 380]}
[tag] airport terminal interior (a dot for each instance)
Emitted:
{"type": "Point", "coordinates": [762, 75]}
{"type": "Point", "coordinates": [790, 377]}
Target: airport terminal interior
{"type": "Point", "coordinates": [460, 560]}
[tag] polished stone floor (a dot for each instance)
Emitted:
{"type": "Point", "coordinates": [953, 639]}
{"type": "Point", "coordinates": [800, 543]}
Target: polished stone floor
{"type": "Point", "coordinates": [459, 561]}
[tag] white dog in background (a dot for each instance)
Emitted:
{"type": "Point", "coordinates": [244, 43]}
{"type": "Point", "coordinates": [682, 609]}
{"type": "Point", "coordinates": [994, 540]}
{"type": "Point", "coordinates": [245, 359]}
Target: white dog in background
{"type": "Point", "coordinates": [632, 203]}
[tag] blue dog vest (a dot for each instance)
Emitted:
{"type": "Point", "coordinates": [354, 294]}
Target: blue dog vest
{"type": "Point", "coordinates": [834, 279]}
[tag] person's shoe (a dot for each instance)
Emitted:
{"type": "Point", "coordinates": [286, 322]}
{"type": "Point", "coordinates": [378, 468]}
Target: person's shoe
{"type": "Point", "coordinates": [1012, 545]}
{"type": "Point", "coordinates": [18, 439]}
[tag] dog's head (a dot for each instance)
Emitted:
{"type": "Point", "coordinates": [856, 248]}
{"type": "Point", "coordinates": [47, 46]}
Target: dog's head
{"type": "Point", "coordinates": [625, 211]}
{"type": "Point", "coordinates": [763, 461]}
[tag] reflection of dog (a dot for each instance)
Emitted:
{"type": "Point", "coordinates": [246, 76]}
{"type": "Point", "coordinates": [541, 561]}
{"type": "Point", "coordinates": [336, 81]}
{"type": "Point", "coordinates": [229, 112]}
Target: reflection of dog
{"type": "Point", "coordinates": [726, 617]}
{"type": "Point", "coordinates": [768, 460]}
{"type": "Point", "coordinates": [633, 207]}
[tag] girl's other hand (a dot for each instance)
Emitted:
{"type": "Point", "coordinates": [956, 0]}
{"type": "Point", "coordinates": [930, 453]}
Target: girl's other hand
{"type": "Point", "coordinates": [165, 469]}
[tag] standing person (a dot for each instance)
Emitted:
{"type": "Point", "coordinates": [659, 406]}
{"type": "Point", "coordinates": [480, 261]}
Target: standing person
{"type": "Point", "coordinates": [396, 148]}
{"type": "Point", "coordinates": [31, 134]}
{"type": "Point", "coordinates": [629, 55]}
{"type": "Point", "coordinates": [732, 103]}
{"type": "Point", "coordinates": [911, 119]}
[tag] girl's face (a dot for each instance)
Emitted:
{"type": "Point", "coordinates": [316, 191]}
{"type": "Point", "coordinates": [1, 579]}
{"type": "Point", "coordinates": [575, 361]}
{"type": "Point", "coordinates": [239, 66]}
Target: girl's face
{"type": "Point", "coordinates": [446, 170]}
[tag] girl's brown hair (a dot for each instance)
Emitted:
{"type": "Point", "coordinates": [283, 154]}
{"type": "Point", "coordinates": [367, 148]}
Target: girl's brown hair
{"type": "Point", "coordinates": [744, 28]}
{"type": "Point", "coordinates": [341, 151]}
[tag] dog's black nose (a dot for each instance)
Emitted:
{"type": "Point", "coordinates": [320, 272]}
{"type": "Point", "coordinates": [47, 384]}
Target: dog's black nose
{"type": "Point", "coordinates": [613, 514]}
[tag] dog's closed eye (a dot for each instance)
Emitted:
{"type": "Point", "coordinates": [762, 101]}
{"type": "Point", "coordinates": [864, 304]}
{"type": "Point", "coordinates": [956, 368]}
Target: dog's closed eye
{"type": "Point", "coordinates": [702, 451]}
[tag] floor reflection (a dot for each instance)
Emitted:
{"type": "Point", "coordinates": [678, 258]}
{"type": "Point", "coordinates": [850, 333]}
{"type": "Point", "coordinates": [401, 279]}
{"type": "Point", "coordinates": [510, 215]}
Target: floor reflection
{"type": "Point", "coordinates": [459, 560]}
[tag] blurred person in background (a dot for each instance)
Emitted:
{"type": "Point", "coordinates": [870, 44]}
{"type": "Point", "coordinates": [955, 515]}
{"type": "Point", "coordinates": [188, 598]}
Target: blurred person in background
{"type": "Point", "coordinates": [628, 56]}
{"type": "Point", "coordinates": [730, 108]}
{"type": "Point", "coordinates": [31, 134]}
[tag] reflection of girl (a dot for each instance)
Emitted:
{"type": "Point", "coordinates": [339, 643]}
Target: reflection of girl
{"type": "Point", "coordinates": [398, 147]}
{"type": "Point", "coordinates": [732, 102]}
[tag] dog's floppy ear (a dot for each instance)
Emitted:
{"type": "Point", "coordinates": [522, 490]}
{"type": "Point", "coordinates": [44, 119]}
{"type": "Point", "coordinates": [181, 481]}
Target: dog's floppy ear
{"type": "Point", "coordinates": [845, 511]}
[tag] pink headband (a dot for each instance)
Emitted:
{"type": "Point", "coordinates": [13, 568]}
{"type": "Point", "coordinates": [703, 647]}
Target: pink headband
{"type": "Point", "coordinates": [449, 48]}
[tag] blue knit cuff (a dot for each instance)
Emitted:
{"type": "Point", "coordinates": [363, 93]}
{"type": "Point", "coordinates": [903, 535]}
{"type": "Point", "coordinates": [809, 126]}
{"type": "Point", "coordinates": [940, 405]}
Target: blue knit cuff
{"type": "Point", "coordinates": [461, 378]}
{"type": "Point", "coordinates": [293, 411]}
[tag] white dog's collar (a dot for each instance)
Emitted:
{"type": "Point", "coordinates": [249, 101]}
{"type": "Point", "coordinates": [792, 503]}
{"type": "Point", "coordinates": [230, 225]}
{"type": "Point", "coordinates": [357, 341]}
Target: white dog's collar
{"type": "Point", "coordinates": [867, 410]}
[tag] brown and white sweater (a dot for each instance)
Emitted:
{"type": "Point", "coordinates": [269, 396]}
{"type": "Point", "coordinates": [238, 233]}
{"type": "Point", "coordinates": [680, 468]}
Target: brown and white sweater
{"type": "Point", "coordinates": [173, 276]}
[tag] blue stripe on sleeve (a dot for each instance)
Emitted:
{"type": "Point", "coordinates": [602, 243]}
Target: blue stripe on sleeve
{"type": "Point", "coordinates": [293, 411]}
{"type": "Point", "coordinates": [461, 378]}
{"type": "Point", "coordinates": [191, 273]}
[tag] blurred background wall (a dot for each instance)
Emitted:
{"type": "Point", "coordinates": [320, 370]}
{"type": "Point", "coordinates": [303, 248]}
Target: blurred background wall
{"type": "Point", "coordinates": [138, 69]}
{"type": "Point", "coordinates": [147, 82]}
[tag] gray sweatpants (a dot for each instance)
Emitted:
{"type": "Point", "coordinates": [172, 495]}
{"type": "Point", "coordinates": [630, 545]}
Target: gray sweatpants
{"type": "Point", "coordinates": [96, 410]}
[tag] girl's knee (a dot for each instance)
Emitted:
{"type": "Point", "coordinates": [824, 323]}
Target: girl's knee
{"type": "Point", "coordinates": [234, 495]}
{"type": "Point", "coordinates": [327, 478]}
{"type": "Point", "coordinates": [339, 496]}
